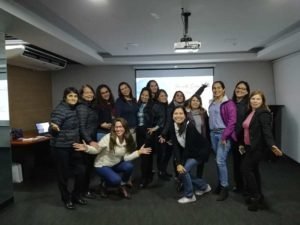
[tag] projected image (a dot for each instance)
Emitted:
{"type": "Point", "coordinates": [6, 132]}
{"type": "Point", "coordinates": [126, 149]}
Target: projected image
{"type": "Point", "coordinates": [187, 84]}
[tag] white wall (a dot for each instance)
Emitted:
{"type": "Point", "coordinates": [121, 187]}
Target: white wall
{"type": "Point", "coordinates": [78, 75]}
{"type": "Point", "coordinates": [258, 74]}
{"type": "Point", "coordinates": [287, 80]}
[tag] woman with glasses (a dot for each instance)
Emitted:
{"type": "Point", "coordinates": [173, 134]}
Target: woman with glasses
{"type": "Point", "coordinates": [114, 154]}
{"type": "Point", "coordinates": [240, 97]}
{"type": "Point", "coordinates": [88, 124]}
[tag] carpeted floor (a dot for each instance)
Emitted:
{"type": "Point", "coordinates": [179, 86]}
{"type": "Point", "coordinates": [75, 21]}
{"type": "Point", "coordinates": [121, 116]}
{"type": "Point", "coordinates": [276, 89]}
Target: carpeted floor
{"type": "Point", "coordinates": [37, 202]}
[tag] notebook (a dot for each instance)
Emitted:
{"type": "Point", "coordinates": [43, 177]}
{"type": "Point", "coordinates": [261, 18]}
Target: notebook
{"type": "Point", "coordinates": [42, 128]}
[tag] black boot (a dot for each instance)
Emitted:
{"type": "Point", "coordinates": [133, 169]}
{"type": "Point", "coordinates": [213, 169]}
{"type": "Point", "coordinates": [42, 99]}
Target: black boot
{"type": "Point", "coordinates": [223, 194]}
{"type": "Point", "coordinates": [253, 205]}
{"type": "Point", "coordinates": [217, 190]}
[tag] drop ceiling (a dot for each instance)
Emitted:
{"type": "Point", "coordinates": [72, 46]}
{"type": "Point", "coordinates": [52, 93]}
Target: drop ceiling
{"type": "Point", "coordinates": [140, 32]}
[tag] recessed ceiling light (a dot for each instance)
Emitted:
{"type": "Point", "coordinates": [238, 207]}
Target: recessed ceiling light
{"type": "Point", "coordinates": [155, 16]}
{"type": "Point", "coordinates": [99, 1]}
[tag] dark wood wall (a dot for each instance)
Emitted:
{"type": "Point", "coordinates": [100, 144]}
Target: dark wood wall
{"type": "Point", "coordinates": [30, 97]}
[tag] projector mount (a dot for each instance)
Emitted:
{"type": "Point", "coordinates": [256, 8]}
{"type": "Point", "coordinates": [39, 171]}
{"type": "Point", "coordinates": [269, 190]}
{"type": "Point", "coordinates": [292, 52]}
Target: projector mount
{"type": "Point", "coordinates": [185, 20]}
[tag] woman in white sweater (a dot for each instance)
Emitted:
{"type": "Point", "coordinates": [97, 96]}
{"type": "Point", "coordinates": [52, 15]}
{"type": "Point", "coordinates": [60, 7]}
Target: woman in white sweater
{"type": "Point", "coordinates": [115, 151]}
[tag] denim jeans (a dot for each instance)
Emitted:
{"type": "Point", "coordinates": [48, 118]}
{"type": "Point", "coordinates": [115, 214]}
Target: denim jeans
{"type": "Point", "coordinates": [189, 180]}
{"type": "Point", "coordinates": [113, 176]}
{"type": "Point", "coordinates": [221, 152]}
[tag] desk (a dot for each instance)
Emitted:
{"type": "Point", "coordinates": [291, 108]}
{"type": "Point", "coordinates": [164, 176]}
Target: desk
{"type": "Point", "coordinates": [30, 141]}
{"type": "Point", "coordinates": [30, 138]}
{"type": "Point", "coordinates": [31, 152]}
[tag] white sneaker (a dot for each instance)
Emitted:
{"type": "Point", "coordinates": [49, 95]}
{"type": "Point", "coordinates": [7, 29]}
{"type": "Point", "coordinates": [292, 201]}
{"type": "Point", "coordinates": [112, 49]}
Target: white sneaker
{"type": "Point", "coordinates": [199, 192]}
{"type": "Point", "coordinates": [184, 200]}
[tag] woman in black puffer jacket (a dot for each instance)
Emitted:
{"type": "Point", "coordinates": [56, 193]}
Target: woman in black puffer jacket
{"type": "Point", "coordinates": [88, 124]}
{"type": "Point", "coordinates": [64, 128]}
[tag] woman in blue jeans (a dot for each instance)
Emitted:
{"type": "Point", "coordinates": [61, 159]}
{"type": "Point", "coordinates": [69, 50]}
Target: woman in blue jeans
{"type": "Point", "coordinates": [114, 153]}
{"type": "Point", "coordinates": [222, 120]}
{"type": "Point", "coordinates": [190, 150]}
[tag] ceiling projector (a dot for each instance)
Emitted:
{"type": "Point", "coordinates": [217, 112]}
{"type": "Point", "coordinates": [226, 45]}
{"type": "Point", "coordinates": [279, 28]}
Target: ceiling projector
{"type": "Point", "coordinates": [187, 46]}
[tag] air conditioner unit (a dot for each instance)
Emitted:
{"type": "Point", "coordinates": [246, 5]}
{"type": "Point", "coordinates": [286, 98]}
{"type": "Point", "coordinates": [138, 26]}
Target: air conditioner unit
{"type": "Point", "coordinates": [31, 58]}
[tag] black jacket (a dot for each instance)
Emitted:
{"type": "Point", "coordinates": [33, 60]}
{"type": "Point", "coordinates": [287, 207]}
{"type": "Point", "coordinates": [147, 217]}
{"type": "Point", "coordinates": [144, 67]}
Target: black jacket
{"type": "Point", "coordinates": [196, 146]}
{"type": "Point", "coordinates": [260, 129]}
{"type": "Point", "coordinates": [106, 113]}
{"type": "Point", "coordinates": [159, 111]}
{"type": "Point", "coordinates": [242, 108]}
{"type": "Point", "coordinates": [88, 121]}
{"type": "Point", "coordinates": [65, 116]}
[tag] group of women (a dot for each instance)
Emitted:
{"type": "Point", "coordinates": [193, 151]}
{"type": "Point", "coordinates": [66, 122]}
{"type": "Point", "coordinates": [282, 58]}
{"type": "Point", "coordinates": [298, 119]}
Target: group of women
{"type": "Point", "coordinates": [90, 129]}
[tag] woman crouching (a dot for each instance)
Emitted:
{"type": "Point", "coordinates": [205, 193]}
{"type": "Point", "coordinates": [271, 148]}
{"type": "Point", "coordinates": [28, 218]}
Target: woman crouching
{"type": "Point", "coordinates": [190, 150]}
{"type": "Point", "coordinates": [115, 152]}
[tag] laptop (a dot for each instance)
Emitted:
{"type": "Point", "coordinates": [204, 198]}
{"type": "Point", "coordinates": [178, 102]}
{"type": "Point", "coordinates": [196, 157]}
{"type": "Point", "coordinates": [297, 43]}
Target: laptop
{"type": "Point", "coordinates": [42, 128]}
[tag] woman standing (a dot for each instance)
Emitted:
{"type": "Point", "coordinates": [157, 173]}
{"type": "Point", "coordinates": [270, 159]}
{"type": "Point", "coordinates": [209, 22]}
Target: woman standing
{"type": "Point", "coordinates": [106, 110]}
{"type": "Point", "coordinates": [64, 128]}
{"type": "Point", "coordinates": [159, 122]}
{"type": "Point", "coordinates": [152, 85]}
{"type": "Point", "coordinates": [127, 107]}
{"type": "Point", "coordinates": [143, 134]}
{"type": "Point", "coordinates": [114, 153]}
{"type": "Point", "coordinates": [198, 116]}
{"type": "Point", "coordinates": [88, 124]}
{"type": "Point", "coordinates": [190, 150]}
{"type": "Point", "coordinates": [222, 120]}
{"type": "Point", "coordinates": [240, 97]}
{"type": "Point", "coordinates": [258, 139]}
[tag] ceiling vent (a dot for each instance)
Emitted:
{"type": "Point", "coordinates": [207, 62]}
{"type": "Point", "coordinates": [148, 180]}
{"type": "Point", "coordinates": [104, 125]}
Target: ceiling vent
{"type": "Point", "coordinates": [31, 58]}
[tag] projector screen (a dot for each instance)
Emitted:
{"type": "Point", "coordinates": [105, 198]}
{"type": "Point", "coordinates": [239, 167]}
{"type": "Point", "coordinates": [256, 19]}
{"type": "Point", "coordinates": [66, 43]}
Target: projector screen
{"type": "Point", "coordinates": [186, 80]}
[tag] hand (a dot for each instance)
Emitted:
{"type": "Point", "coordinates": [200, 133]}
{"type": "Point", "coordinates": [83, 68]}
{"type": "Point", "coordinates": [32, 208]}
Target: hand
{"type": "Point", "coordinates": [161, 140]}
{"type": "Point", "coordinates": [94, 144]}
{"type": "Point", "coordinates": [54, 127]}
{"type": "Point", "coordinates": [206, 84]}
{"type": "Point", "coordinates": [80, 147]}
{"type": "Point", "coordinates": [276, 151]}
{"type": "Point", "coordinates": [242, 149]}
{"type": "Point", "coordinates": [145, 151]}
{"type": "Point", "coordinates": [106, 125]}
{"type": "Point", "coordinates": [223, 142]}
{"type": "Point", "coordinates": [150, 130]}
{"type": "Point", "coordinates": [180, 169]}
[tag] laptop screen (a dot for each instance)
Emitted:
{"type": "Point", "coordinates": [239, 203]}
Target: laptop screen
{"type": "Point", "coordinates": [42, 128]}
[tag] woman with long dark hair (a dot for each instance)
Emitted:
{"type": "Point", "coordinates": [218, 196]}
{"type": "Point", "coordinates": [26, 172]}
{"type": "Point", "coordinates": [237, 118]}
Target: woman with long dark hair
{"type": "Point", "coordinates": [240, 97]}
{"type": "Point", "coordinates": [152, 85]}
{"type": "Point", "coordinates": [127, 107]}
{"type": "Point", "coordinates": [190, 150]}
{"type": "Point", "coordinates": [144, 132]}
{"type": "Point", "coordinates": [106, 109]}
{"type": "Point", "coordinates": [114, 153]}
{"type": "Point", "coordinates": [258, 141]}
{"type": "Point", "coordinates": [222, 119]}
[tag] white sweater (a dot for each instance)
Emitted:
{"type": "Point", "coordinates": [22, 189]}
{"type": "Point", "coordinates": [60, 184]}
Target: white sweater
{"type": "Point", "coordinates": [109, 157]}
